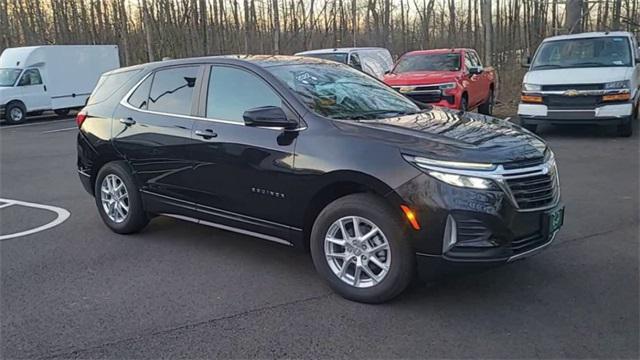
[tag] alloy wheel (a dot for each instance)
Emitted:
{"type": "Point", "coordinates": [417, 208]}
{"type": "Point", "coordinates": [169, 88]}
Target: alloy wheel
{"type": "Point", "coordinates": [357, 251]}
{"type": "Point", "coordinates": [115, 198]}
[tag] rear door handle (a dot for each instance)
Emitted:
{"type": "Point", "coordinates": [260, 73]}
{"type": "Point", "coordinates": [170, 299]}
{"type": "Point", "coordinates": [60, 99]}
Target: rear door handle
{"type": "Point", "coordinates": [206, 134]}
{"type": "Point", "coordinates": [128, 121]}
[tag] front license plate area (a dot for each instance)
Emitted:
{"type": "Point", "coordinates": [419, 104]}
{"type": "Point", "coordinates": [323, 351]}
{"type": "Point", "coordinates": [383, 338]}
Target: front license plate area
{"type": "Point", "coordinates": [554, 220]}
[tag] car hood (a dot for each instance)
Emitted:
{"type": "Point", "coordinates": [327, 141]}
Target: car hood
{"type": "Point", "coordinates": [447, 135]}
{"type": "Point", "coordinates": [578, 75]}
{"type": "Point", "coordinates": [420, 77]}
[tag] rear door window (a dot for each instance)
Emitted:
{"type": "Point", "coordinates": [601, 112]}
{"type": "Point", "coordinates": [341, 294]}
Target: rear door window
{"type": "Point", "coordinates": [140, 97]}
{"type": "Point", "coordinates": [172, 90]}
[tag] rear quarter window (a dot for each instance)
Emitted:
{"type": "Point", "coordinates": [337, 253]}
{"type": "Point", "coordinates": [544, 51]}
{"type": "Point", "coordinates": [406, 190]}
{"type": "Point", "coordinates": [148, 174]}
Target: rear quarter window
{"type": "Point", "coordinates": [109, 84]}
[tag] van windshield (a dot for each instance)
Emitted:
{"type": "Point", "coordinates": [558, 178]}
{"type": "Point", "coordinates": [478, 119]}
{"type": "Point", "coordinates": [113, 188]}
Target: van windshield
{"type": "Point", "coordinates": [337, 91]}
{"type": "Point", "coordinates": [8, 77]}
{"type": "Point", "coordinates": [589, 52]}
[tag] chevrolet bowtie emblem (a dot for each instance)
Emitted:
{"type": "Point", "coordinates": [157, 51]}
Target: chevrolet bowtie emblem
{"type": "Point", "coordinates": [406, 89]}
{"type": "Point", "coordinates": [571, 93]}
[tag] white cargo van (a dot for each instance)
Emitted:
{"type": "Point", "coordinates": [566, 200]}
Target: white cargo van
{"type": "Point", "coordinates": [371, 60]}
{"type": "Point", "coordinates": [589, 78]}
{"type": "Point", "coordinates": [59, 78]}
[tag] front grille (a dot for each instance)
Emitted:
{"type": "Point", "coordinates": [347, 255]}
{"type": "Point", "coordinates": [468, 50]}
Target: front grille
{"type": "Point", "coordinates": [534, 191]}
{"type": "Point", "coordinates": [523, 163]}
{"type": "Point", "coordinates": [572, 87]}
{"type": "Point", "coordinates": [571, 102]}
{"type": "Point", "coordinates": [425, 98]}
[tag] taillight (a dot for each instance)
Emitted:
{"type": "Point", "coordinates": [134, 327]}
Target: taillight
{"type": "Point", "coordinates": [80, 118]}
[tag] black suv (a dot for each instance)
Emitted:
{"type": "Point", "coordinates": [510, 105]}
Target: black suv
{"type": "Point", "coordinates": [316, 155]}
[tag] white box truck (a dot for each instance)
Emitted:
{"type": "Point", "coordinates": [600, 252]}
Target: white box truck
{"type": "Point", "coordinates": [589, 78]}
{"type": "Point", "coordinates": [60, 78]}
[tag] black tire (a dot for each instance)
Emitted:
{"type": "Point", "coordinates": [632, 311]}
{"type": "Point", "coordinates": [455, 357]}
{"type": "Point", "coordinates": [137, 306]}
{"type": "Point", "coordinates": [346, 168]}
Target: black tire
{"type": "Point", "coordinates": [486, 108]}
{"type": "Point", "coordinates": [626, 129]}
{"type": "Point", "coordinates": [402, 258]}
{"type": "Point", "coordinates": [464, 103]}
{"type": "Point", "coordinates": [15, 113]}
{"type": "Point", "coordinates": [62, 112]}
{"type": "Point", "coordinates": [136, 218]}
{"type": "Point", "coordinates": [531, 127]}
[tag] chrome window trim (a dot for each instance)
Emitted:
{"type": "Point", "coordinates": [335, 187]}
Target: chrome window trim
{"type": "Point", "coordinates": [124, 102]}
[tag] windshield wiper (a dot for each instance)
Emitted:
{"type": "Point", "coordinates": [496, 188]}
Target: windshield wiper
{"type": "Point", "coordinates": [589, 63]}
{"type": "Point", "coordinates": [547, 66]}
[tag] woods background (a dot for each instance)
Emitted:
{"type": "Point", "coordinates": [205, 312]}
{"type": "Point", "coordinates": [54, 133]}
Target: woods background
{"type": "Point", "coordinates": [503, 31]}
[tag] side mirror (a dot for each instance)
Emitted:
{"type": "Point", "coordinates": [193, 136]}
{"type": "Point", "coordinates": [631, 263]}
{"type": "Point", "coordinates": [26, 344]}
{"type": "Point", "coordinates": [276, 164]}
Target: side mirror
{"type": "Point", "coordinates": [526, 62]}
{"type": "Point", "coordinates": [268, 116]}
{"type": "Point", "coordinates": [387, 72]}
{"type": "Point", "coordinates": [476, 70]}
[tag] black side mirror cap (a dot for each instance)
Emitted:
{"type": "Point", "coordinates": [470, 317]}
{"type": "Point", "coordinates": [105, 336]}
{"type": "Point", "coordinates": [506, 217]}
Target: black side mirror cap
{"type": "Point", "coordinates": [526, 62]}
{"type": "Point", "coordinates": [268, 116]}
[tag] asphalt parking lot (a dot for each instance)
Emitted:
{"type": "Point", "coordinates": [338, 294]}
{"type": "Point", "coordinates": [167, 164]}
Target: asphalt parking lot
{"type": "Point", "coordinates": [75, 289]}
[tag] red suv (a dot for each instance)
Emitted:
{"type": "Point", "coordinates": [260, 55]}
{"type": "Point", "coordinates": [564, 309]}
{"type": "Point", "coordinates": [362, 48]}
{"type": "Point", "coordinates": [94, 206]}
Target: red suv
{"type": "Point", "coordinates": [453, 78]}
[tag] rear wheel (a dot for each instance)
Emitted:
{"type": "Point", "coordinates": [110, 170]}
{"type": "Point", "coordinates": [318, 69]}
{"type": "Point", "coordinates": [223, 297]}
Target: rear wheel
{"type": "Point", "coordinates": [15, 113]}
{"type": "Point", "coordinates": [62, 112]}
{"type": "Point", "coordinates": [359, 245]}
{"type": "Point", "coordinates": [118, 199]}
{"type": "Point", "coordinates": [487, 107]}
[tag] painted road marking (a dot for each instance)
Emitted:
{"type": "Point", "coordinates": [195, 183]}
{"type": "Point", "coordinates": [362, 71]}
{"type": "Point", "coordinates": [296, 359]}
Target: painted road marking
{"type": "Point", "coordinates": [58, 130]}
{"type": "Point", "coordinates": [62, 216]}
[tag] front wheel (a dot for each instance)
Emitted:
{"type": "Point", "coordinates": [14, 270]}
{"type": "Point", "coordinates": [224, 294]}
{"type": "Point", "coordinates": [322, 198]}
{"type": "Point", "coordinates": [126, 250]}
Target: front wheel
{"type": "Point", "coordinates": [15, 113]}
{"type": "Point", "coordinates": [118, 199]}
{"type": "Point", "coordinates": [626, 129]}
{"type": "Point", "coordinates": [359, 245]}
{"type": "Point", "coordinates": [487, 107]}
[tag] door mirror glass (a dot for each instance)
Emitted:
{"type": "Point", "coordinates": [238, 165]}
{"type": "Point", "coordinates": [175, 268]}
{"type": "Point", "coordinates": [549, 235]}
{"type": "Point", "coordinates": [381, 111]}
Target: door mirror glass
{"type": "Point", "coordinates": [476, 70]}
{"type": "Point", "coordinates": [268, 116]}
{"type": "Point", "coordinates": [525, 61]}
{"type": "Point", "coordinates": [354, 61]}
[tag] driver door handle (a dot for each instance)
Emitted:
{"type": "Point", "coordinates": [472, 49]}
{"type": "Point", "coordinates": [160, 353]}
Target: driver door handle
{"type": "Point", "coordinates": [128, 121]}
{"type": "Point", "coordinates": [206, 134]}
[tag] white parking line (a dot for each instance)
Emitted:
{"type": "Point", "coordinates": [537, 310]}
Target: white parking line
{"type": "Point", "coordinates": [58, 130]}
{"type": "Point", "coordinates": [62, 216]}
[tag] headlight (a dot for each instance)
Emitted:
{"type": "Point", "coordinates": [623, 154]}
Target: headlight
{"type": "Point", "coordinates": [447, 86]}
{"type": "Point", "coordinates": [623, 84]}
{"type": "Point", "coordinates": [531, 87]}
{"type": "Point", "coordinates": [463, 181]}
{"type": "Point", "coordinates": [456, 173]}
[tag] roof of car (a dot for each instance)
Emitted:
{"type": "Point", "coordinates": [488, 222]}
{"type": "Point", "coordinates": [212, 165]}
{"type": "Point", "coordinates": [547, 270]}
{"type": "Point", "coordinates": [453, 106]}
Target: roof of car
{"type": "Point", "coordinates": [260, 60]}
{"type": "Point", "coordinates": [338, 50]}
{"type": "Point", "coordinates": [437, 51]}
{"type": "Point", "coordinates": [588, 35]}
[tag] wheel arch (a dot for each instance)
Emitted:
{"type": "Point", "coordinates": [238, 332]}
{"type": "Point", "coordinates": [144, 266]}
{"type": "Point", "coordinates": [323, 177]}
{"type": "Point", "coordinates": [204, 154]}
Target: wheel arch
{"type": "Point", "coordinates": [339, 184]}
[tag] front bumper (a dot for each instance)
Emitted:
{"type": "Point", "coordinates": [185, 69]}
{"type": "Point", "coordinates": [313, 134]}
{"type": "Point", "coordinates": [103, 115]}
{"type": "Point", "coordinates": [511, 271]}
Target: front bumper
{"type": "Point", "coordinates": [487, 226]}
{"type": "Point", "coordinates": [613, 114]}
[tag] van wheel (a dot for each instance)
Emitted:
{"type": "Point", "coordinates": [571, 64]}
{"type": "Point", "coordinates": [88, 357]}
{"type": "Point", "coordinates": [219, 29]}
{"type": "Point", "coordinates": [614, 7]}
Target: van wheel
{"type": "Point", "coordinates": [62, 112]}
{"type": "Point", "coordinates": [359, 246]}
{"type": "Point", "coordinates": [486, 108]}
{"type": "Point", "coordinates": [15, 113]}
{"type": "Point", "coordinates": [118, 199]}
{"type": "Point", "coordinates": [626, 129]}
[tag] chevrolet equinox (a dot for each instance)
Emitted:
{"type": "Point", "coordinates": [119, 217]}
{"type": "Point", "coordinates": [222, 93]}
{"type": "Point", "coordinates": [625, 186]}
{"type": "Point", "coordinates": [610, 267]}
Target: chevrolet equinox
{"type": "Point", "coordinates": [313, 154]}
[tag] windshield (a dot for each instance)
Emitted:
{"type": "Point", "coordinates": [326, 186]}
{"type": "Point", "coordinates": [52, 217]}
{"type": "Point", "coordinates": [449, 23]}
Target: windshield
{"type": "Point", "coordinates": [591, 52]}
{"type": "Point", "coordinates": [339, 92]}
{"type": "Point", "coordinates": [429, 62]}
{"type": "Point", "coordinates": [8, 77]}
{"type": "Point", "coordinates": [339, 57]}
